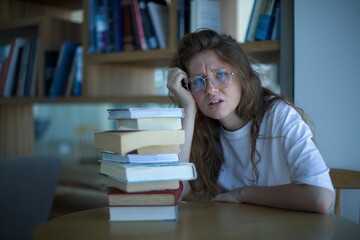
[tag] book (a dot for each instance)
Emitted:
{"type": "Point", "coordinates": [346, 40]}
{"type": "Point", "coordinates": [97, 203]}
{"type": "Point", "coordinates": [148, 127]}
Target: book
{"type": "Point", "coordinates": [101, 26]}
{"type": "Point", "coordinates": [22, 71]}
{"type": "Point", "coordinates": [118, 25]}
{"type": "Point", "coordinates": [143, 213]}
{"type": "Point", "coordinates": [265, 23]}
{"type": "Point", "coordinates": [32, 69]}
{"type": "Point", "coordinates": [254, 17]}
{"type": "Point", "coordinates": [205, 14]}
{"type": "Point", "coordinates": [128, 27]}
{"type": "Point", "coordinates": [78, 74]}
{"type": "Point", "coordinates": [149, 31]}
{"type": "Point", "coordinates": [123, 142]}
{"type": "Point", "coordinates": [146, 172]}
{"type": "Point", "coordinates": [159, 17]}
{"type": "Point", "coordinates": [140, 158]}
{"type": "Point", "coordinates": [51, 58]}
{"type": "Point", "coordinates": [145, 113]}
{"type": "Point", "coordinates": [32, 76]}
{"type": "Point", "coordinates": [10, 68]}
{"type": "Point", "coordinates": [275, 35]}
{"type": "Point", "coordinates": [175, 148]}
{"type": "Point", "coordinates": [183, 18]}
{"type": "Point", "coordinates": [168, 197]}
{"type": "Point", "coordinates": [140, 37]}
{"type": "Point", "coordinates": [63, 67]}
{"type": "Point", "coordinates": [139, 186]}
{"type": "Point", "coordinates": [148, 123]}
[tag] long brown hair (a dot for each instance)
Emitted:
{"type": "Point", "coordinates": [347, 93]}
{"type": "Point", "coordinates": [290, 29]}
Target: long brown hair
{"type": "Point", "coordinates": [206, 152]}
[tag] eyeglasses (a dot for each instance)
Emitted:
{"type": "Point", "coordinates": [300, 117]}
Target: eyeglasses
{"type": "Point", "coordinates": [220, 79]}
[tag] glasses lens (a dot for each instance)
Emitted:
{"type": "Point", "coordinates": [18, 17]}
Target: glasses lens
{"type": "Point", "coordinates": [196, 84]}
{"type": "Point", "coordinates": [222, 78]}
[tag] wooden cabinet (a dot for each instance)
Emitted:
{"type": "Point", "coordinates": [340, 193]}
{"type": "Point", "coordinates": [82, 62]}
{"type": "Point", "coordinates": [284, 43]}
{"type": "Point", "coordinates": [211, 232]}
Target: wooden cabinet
{"type": "Point", "coordinates": [125, 77]}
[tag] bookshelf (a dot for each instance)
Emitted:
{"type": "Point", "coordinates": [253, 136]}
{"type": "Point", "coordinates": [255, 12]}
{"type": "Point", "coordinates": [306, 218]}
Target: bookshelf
{"type": "Point", "coordinates": [118, 77]}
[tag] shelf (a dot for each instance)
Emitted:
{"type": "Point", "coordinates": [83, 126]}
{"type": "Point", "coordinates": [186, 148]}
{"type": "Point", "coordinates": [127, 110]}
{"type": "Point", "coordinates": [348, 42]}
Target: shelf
{"type": "Point", "coordinates": [85, 100]}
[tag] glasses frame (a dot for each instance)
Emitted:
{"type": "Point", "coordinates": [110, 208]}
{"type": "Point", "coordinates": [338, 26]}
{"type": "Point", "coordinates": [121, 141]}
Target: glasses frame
{"type": "Point", "coordinates": [231, 74]}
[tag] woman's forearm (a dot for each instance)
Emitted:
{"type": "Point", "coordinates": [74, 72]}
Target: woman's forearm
{"type": "Point", "coordinates": [290, 196]}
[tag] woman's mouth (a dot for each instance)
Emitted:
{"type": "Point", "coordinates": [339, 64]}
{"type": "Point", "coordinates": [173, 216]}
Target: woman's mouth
{"type": "Point", "coordinates": [215, 102]}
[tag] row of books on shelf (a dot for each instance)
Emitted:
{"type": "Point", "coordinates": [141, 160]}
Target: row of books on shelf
{"type": "Point", "coordinates": [141, 164]}
{"type": "Point", "coordinates": [125, 25]}
{"type": "Point", "coordinates": [19, 69]}
{"type": "Point", "coordinates": [264, 22]}
{"type": "Point", "coordinates": [118, 25]}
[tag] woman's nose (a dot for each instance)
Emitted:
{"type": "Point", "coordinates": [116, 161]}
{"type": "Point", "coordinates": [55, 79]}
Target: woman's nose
{"type": "Point", "coordinates": [210, 87]}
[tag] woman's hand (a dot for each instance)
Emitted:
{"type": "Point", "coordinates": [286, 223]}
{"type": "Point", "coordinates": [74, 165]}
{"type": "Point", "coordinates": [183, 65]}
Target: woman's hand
{"type": "Point", "coordinates": [176, 77]}
{"type": "Point", "coordinates": [233, 196]}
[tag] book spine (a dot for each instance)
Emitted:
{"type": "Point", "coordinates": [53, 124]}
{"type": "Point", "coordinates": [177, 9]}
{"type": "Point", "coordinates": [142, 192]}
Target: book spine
{"type": "Point", "coordinates": [265, 22]}
{"type": "Point", "coordinates": [101, 26]}
{"type": "Point", "coordinates": [149, 32]}
{"type": "Point", "coordinates": [139, 26]}
{"type": "Point", "coordinates": [78, 78]}
{"type": "Point", "coordinates": [255, 13]}
{"type": "Point", "coordinates": [62, 69]}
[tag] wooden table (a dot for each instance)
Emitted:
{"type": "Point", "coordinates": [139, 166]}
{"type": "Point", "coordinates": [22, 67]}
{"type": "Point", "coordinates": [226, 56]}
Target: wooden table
{"type": "Point", "coordinates": [203, 221]}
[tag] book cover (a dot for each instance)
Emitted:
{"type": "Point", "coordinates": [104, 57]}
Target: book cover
{"type": "Point", "coordinates": [254, 17]}
{"type": "Point", "coordinates": [140, 158]}
{"type": "Point", "coordinates": [118, 25]}
{"type": "Point", "coordinates": [10, 69]}
{"type": "Point", "coordinates": [139, 26]}
{"type": "Point", "coordinates": [32, 82]}
{"type": "Point", "coordinates": [157, 149]}
{"type": "Point", "coordinates": [101, 25]}
{"type": "Point", "coordinates": [22, 71]}
{"type": "Point", "coordinates": [265, 22]}
{"type": "Point", "coordinates": [205, 14]}
{"type": "Point", "coordinates": [51, 58]}
{"type": "Point", "coordinates": [147, 172]}
{"type": "Point", "coordinates": [123, 142]}
{"type": "Point", "coordinates": [112, 182]}
{"type": "Point", "coordinates": [31, 73]}
{"type": "Point", "coordinates": [148, 123]}
{"type": "Point", "coordinates": [78, 74]}
{"type": "Point", "coordinates": [168, 197]}
{"type": "Point", "coordinates": [63, 67]}
{"type": "Point", "coordinates": [144, 213]}
{"type": "Point", "coordinates": [145, 113]}
{"type": "Point", "coordinates": [148, 27]}
{"type": "Point", "coordinates": [159, 16]}
{"type": "Point", "coordinates": [128, 27]}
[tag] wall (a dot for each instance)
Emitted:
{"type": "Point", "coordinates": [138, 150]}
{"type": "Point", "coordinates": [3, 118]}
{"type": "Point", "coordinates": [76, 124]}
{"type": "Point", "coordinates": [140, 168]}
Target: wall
{"type": "Point", "coordinates": [327, 82]}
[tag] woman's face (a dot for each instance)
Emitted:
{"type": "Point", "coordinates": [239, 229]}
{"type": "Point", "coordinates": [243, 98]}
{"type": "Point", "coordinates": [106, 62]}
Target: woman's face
{"type": "Point", "coordinates": [216, 102]}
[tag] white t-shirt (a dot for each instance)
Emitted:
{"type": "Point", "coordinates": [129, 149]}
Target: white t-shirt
{"type": "Point", "coordinates": [288, 155]}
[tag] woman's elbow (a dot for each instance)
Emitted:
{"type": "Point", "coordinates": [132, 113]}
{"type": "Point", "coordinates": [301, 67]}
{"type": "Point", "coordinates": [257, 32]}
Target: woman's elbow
{"type": "Point", "coordinates": [323, 201]}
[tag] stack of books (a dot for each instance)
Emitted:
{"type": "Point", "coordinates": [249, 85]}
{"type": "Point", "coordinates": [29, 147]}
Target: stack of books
{"type": "Point", "coordinates": [140, 162]}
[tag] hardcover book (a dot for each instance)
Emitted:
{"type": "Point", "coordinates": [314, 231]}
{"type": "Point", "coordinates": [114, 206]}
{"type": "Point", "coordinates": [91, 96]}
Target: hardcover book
{"type": "Point", "coordinates": [123, 142]}
{"type": "Point", "coordinates": [63, 67]}
{"type": "Point", "coordinates": [155, 172]}
{"type": "Point", "coordinates": [139, 186]}
{"type": "Point", "coordinates": [140, 158]}
{"type": "Point", "coordinates": [169, 197]}
{"type": "Point", "coordinates": [145, 113]}
{"type": "Point", "coordinates": [144, 213]}
{"type": "Point", "coordinates": [148, 124]}
{"type": "Point", "coordinates": [159, 149]}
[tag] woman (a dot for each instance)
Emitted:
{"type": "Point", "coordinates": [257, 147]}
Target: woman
{"type": "Point", "coordinates": [247, 143]}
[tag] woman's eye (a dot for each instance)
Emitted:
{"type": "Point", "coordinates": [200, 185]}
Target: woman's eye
{"type": "Point", "coordinates": [221, 74]}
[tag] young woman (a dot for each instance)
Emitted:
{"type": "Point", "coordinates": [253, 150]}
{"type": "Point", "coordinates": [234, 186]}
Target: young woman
{"type": "Point", "coordinates": [248, 144]}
